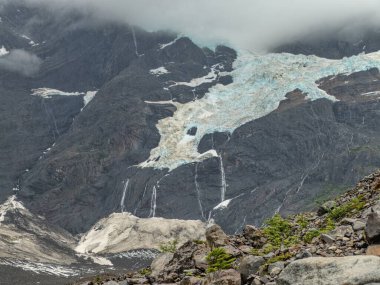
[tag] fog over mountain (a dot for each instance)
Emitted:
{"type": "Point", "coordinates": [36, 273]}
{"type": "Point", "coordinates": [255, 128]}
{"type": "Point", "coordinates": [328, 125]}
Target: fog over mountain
{"type": "Point", "coordinates": [252, 24]}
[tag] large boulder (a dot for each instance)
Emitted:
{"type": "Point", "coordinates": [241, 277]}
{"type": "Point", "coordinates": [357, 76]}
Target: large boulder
{"type": "Point", "coordinates": [250, 265]}
{"type": "Point", "coordinates": [216, 237]}
{"type": "Point", "coordinates": [372, 229]}
{"type": "Point", "coordinates": [350, 270]}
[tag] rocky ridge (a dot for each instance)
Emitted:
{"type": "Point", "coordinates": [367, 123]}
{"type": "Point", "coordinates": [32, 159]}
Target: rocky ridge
{"type": "Point", "coordinates": [338, 244]}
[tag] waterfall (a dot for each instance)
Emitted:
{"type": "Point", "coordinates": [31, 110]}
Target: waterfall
{"type": "Point", "coordinates": [143, 195]}
{"type": "Point", "coordinates": [198, 191]}
{"type": "Point", "coordinates": [153, 203]}
{"type": "Point", "coordinates": [222, 180]}
{"type": "Point", "coordinates": [135, 40]}
{"type": "Point", "coordinates": [123, 196]}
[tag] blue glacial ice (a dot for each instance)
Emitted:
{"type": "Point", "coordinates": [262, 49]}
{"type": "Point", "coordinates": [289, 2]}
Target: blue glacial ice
{"type": "Point", "coordinates": [260, 83]}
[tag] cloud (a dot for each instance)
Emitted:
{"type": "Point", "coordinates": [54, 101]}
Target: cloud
{"type": "Point", "coordinates": [20, 61]}
{"type": "Point", "coordinates": [254, 24]}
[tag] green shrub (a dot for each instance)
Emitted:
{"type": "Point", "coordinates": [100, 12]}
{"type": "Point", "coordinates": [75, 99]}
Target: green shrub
{"type": "Point", "coordinates": [352, 206]}
{"type": "Point", "coordinates": [170, 246]}
{"type": "Point", "coordinates": [302, 221]}
{"type": "Point", "coordinates": [219, 259]}
{"type": "Point", "coordinates": [279, 232]}
{"type": "Point", "coordinates": [145, 271]}
{"type": "Point", "coordinates": [280, 257]}
{"type": "Point", "coordinates": [329, 226]}
{"type": "Point", "coordinates": [308, 237]}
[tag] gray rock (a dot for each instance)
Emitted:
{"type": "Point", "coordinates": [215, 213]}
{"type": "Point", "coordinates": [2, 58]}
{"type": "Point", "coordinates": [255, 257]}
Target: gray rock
{"type": "Point", "coordinates": [358, 226]}
{"type": "Point", "coordinates": [304, 254]}
{"type": "Point", "coordinates": [372, 229]}
{"type": "Point", "coordinates": [223, 277]}
{"type": "Point", "coordinates": [216, 237]}
{"type": "Point", "coordinates": [190, 280]}
{"type": "Point", "coordinates": [353, 270]}
{"type": "Point", "coordinates": [326, 207]}
{"type": "Point", "coordinates": [111, 283]}
{"type": "Point", "coordinates": [327, 238]}
{"type": "Point", "coordinates": [250, 265]}
{"type": "Point", "coordinates": [250, 232]}
{"type": "Point", "coordinates": [341, 231]}
{"type": "Point", "coordinates": [160, 262]}
{"type": "Point", "coordinates": [348, 221]}
{"type": "Point", "coordinates": [275, 269]}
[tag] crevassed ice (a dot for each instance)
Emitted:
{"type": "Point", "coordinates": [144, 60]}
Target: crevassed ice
{"type": "Point", "coordinates": [260, 83]}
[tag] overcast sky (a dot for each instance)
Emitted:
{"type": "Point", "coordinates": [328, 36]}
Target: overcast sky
{"type": "Point", "coordinates": [252, 24]}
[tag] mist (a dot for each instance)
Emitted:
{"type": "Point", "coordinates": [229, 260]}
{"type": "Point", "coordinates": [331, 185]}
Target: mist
{"type": "Point", "coordinates": [249, 24]}
{"type": "Point", "coordinates": [20, 61]}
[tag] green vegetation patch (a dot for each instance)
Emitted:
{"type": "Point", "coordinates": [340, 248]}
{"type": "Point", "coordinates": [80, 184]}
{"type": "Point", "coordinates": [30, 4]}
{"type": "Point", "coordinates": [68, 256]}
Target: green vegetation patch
{"type": "Point", "coordinates": [219, 259]}
{"type": "Point", "coordinates": [169, 247]}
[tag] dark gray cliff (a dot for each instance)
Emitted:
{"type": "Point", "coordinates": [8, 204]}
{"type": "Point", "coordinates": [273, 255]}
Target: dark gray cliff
{"type": "Point", "coordinates": [71, 164]}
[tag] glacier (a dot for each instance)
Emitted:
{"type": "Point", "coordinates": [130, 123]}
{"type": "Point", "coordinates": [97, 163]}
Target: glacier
{"type": "Point", "coordinates": [260, 83]}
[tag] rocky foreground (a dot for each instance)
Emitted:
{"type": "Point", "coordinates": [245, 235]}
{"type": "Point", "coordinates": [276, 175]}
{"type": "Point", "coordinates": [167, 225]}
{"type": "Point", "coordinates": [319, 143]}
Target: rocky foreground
{"type": "Point", "coordinates": [338, 244]}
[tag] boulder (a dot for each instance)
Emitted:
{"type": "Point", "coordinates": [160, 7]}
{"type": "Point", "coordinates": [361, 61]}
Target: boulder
{"type": "Point", "coordinates": [160, 262]}
{"type": "Point", "coordinates": [342, 231]}
{"type": "Point", "coordinates": [223, 277]}
{"type": "Point", "coordinates": [216, 237]}
{"type": "Point", "coordinates": [190, 280]}
{"type": "Point", "coordinates": [358, 226]}
{"type": "Point", "coordinates": [372, 229]}
{"type": "Point", "coordinates": [327, 238]}
{"type": "Point", "coordinates": [251, 232]}
{"type": "Point", "coordinates": [304, 254]}
{"type": "Point", "coordinates": [200, 261]}
{"type": "Point", "coordinates": [275, 269]}
{"type": "Point", "coordinates": [352, 270]}
{"type": "Point", "coordinates": [326, 207]}
{"type": "Point", "coordinates": [250, 265]}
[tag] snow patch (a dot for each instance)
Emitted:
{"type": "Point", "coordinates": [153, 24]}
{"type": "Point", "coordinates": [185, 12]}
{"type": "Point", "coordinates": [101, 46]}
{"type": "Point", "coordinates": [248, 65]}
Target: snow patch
{"type": "Point", "coordinates": [10, 205]}
{"type": "Point", "coordinates": [223, 205]}
{"type": "Point", "coordinates": [209, 78]}
{"type": "Point", "coordinates": [373, 93]}
{"type": "Point", "coordinates": [49, 93]}
{"type": "Point", "coordinates": [260, 83]}
{"type": "Point", "coordinates": [43, 268]}
{"type": "Point", "coordinates": [88, 97]}
{"type": "Point", "coordinates": [162, 46]}
{"type": "Point", "coordinates": [159, 71]}
{"type": "Point", "coordinates": [3, 51]}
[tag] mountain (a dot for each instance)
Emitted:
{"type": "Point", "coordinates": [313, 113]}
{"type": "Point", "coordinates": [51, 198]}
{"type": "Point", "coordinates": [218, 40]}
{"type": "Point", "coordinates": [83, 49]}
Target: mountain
{"type": "Point", "coordinates": [100, 118]}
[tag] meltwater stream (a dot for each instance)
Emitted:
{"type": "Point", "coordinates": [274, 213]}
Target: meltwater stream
{"type": "Point", "coordinates": [260, 83]}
